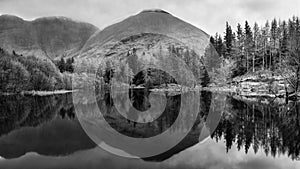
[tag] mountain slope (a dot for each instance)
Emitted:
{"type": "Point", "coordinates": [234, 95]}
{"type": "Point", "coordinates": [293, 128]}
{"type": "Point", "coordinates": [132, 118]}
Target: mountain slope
{"type": "Point", "coordinates": [157, 22]}
{"type": "Point", "coordinates": [44, 37]}
{"type": "Point", "coordinates": [151, 37]}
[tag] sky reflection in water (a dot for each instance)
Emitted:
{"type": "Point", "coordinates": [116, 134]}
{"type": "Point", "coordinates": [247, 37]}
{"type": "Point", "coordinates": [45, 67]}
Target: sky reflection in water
{"type": "Point", "coordinates": [56, 140]}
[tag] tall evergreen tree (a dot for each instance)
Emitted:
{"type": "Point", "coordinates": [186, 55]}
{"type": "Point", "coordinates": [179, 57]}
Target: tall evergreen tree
{"type": "Point", "coordinates": [248, 43]}
{"type": "Point", "coordinates": [220, 46]}
{"type": "Point", "coordinates": [265, 39]}
{"type": "Point", "coordinates": [239, 47]}
{"type": "Point", "coordinates": [212, 40]}
{"type": "Point", "coordinates": [274, 38]}
{"type": "Point", "coordinates": [256, 38]}
{"type": "Point", "coordinates": [228, 40]}
{"type": "Point", "coordinates": [240, 39]}
{"type": "Point", "coordinates": [284, 40]}
{"type": "Point", "coordinates": [61, 65]}
{"type": "Point", "coordinates": [283, 44]}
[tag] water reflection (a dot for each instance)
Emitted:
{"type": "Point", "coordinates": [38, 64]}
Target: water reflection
{"type": "Point", "coordinates": [248, 129]}
{"type": "Point", "coordinates": [126, 135]}
{"type": "Point", "coordinates": [45, 125]}
{"type": "Point", "coordinates": [274, 128]}
{"type": "Point", "coordinates": [140, 101]}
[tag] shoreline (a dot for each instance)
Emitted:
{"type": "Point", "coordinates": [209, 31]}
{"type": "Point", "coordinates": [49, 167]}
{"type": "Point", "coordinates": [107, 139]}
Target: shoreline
{"type": "Point", "coordinates": [221, 89]}
{"type": "Point", "coordinates": [38, 93]}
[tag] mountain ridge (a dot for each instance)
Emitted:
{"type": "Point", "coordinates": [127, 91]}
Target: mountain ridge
{"type": "Point", "coordinates": [50, 37]}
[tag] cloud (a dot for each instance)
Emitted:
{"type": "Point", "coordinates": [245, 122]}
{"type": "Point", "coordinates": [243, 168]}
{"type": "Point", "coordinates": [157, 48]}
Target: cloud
{"type": "Point", "coordinates": [205, 14]}
{"type": "Point", "coordinates": [208, 155]}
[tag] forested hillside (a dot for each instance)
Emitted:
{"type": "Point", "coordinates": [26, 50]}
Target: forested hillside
{"type": "Point", "coordinates": [273, 47]}
{"type": "Point", "coordinates": [260, 58]}
{"type": "Point", "coordinates": [156, 42]}
{"type": "Point", "coordinates": [19, 73]}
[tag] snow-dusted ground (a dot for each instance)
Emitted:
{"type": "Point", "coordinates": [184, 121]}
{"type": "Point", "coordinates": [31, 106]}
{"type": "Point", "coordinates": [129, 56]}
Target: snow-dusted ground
{"type": "Point", "coordinates": [46, 93]}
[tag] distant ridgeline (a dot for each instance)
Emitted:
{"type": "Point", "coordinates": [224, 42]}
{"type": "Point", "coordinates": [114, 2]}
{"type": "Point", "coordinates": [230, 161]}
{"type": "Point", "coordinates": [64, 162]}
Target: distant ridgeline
{"type": "Point", "coordinates": [26, 73]}
{"type": "Point", "coordinates": [50, 37]}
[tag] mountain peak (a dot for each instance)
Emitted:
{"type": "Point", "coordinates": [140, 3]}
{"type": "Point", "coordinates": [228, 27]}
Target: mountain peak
{"type": "Point", "coordinates": [155, 10]}
{"type": "Point", "coordinates": [53, 18]}
{"type": "Point", "coordinates": [10, 17]}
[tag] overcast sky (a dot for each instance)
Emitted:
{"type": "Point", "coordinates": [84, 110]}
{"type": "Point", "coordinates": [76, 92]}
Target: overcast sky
{"type": "Point", "coordinates": [208, 15]}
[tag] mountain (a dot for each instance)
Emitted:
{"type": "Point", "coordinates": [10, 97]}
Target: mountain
{"type": "Point", "coordinates": [152, 36]}
{"type": "Point", "coordinates": [156, 22]}
{"type": "Point", "coordinates": [49, 37]}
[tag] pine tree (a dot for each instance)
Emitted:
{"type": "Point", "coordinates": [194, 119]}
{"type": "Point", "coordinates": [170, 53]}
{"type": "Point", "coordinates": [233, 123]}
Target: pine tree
{"type": "Point", "coordinates": [228, 40]}
{"type": "Point", "coordinates": [240, 40]}
{"type": "Point", "coordinates": [273, 41]}
{"type": "Point", "coordinates": [248, 43]}
{"type": "Point", "coordinates": [69, 65]}
{"type": "Point", "coordinates": [220, 46]}
{"type": "Point", "coordinates": [278, 41]}
{"type": "Point", "coordinates": [204, 77]}
{"type": "Point", "coordinates": [234, 49]}
{"type": "Point", "coordinates": [294, 52]}
{"type": "Point", "coordinates": [284, 40]}
{"type": "Point", "coordinates": [256, 38]}
{"type": "Point", "coordinates": [239, 47]}
{"type": "Point", "coordinates": [265, 39]}
{"type": "Point", "coordinates": [61, 65]}
{"type": "Point", "coordinates": [212, 40]}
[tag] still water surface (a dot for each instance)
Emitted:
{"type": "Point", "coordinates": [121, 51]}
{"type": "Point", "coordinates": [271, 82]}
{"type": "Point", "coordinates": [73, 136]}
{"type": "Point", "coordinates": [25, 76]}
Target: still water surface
{"type": "Point", "coordinates": [44, 132]}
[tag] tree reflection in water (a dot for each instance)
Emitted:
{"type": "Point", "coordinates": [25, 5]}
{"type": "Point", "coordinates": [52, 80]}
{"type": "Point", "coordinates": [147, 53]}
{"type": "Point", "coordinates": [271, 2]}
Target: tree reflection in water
{"type": "Point", "coordinates": [19, 111]}
{"type": "Point", "coordinates": [271, 127]}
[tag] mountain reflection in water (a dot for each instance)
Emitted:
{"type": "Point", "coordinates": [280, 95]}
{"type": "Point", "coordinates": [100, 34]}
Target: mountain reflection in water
{"type": "Point", "coordinates": [46, 130]}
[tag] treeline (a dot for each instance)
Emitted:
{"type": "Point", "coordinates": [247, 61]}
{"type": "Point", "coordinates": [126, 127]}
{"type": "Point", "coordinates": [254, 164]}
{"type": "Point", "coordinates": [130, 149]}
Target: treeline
{"type": "Point", "coordinates": [19, 73]}
{"type": "Point", "coordinates": [193, 61]}
{"type": "Point", "coordinates": [127, 70]}
{"type": "Point", "coordinates": [65, 66]}
{"type": "Point", "coordinates": [273, 46]}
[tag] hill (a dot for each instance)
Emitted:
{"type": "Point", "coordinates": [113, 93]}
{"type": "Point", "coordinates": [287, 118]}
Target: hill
{"type": "Point", "coordinates": [146, 34]}
{"type": "Point", "coordinates": [49, 37]}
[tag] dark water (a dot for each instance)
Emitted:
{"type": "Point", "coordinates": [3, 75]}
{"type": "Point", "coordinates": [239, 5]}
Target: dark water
{"type": "Point", "coordinates": [44, 132]}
